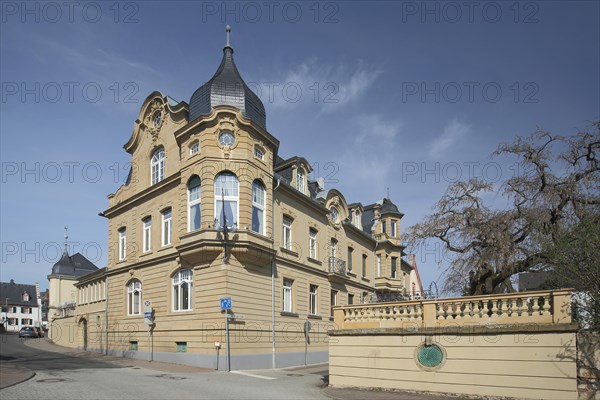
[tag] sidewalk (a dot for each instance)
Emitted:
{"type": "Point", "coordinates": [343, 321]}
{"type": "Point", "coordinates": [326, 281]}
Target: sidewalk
{"type": "Point", "coordinates": [11, 375]}
{"type": "Point", "coordinates": [46, 345]}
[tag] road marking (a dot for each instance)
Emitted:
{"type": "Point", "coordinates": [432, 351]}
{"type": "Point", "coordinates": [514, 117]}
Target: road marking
{"type": "Point", "coordinates": [252, 375]}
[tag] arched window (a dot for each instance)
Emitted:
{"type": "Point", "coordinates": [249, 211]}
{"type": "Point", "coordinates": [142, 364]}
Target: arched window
{"type": "Point", "coordinates": [194, 203]}
{"type": "Point", "coordinates": [226, 198]}
{"type": "Point", "coordinates": [157, 166]}
{"type": "Point", "coordinates": [182, 290]}
{"type": "Point", "coordinates": [134, 298]}
{"type": "Point", "coordinates": [258, 207]}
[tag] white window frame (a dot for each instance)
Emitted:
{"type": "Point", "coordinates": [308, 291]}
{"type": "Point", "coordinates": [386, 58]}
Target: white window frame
{"type": "Point", "coordinates": [378, 265]}
{"type": "Point", "coordinates": [194, 148]}
{"type": "Point", "coordinates": [258, 153]}
{"type": "Point", "coordinates": [122, 244]}
{"type": "Point", "coordinates": [167, 226]}
{"type": "Point", "coordinates": [147, 234]}
{"type": "Point", "coordinates": [300, 180]}
{"type": "Point", "coordinates": [134, 297]}
{"type": "Point", "coordinates": [333, 248]}
{"type": "Point", "coordinates": [259, 204]}
{"type": "Point", "coordinates": [393, 228]}
{"type": "Point", "coordinates": [393, 273]}
{"type": "Point", "coordinates": [287, 295]}
{"type": "Point", "coordinates": [181, 279]}
{"type": "Point", "coordinates": [231, 194]}
{"type": "Point", "coordinates": [312, 243]}
{"type": "Point", "coordinates": [287, 232]}
{"type": "Point", "coordinates": [334, 296]}
{"type": "Point", "coordinates": [349, 263]}
{"type": "Point", "coordinates": [157, 166]}
{"type": "Point", "coordinates": [194, 202]}
{"type": "Point", "coordinates": [313, 299]}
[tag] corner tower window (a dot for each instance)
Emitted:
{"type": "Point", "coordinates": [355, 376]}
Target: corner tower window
{"type": "Point", "coordinates": [157, 166]}
{"type": "Point", "coordinates": [226, 198]}
{"type": "Point", "coordinates": [258, 207]}
{"type": "Point", "coordinates": [227, 138]}
{"type": "Point", "coordinates": [194, 203]}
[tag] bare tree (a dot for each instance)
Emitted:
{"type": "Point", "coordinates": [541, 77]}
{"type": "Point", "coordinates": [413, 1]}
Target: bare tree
{"type": "Point", "coordinates": [556, 186]}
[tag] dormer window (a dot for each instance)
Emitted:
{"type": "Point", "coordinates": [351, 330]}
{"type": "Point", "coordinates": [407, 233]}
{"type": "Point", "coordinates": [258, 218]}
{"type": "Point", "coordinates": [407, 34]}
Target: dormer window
{"type": "Point", "coordinates": [156, 119]}
{"type": "Point", "coordinates": [333, 213]}
{"type": "Point", "coordinates": [300, 180]}
{"type": "Point", "coordinates": [25, 296]}
{"type": "Point", "coordinates": [357, 219]}
{"type": "Point", "coordinates": [258, 153]}
{"type": "Point", "coordinates": [157, 166]}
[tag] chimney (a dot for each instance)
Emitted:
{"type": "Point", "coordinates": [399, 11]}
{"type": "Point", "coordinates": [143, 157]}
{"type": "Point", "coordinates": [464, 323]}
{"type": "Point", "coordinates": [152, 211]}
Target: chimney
{"type": "Point", "coordinates": [413, 260]}
{"type": "Point", "coordinates": [37, 290]}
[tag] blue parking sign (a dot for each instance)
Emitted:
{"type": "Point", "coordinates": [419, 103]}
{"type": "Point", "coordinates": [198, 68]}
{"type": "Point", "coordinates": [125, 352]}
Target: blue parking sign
{"type": "Point", "coordinates": [226, 303]}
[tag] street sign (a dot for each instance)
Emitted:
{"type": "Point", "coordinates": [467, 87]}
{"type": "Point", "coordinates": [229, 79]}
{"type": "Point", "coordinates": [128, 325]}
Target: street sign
{"type": "Point", "coordinates": [236, 316]}
{"type": "Point", "coordinates": [148, 316]}
{"type": "Point", "coordinates": [147, 303]}
{"type": "Point", "coordinates": [226, 303]}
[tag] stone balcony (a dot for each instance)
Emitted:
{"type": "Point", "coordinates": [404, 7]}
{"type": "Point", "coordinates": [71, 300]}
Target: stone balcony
{"type": "Point", "coordinates": [387, 283]}
{"type": "Point", "coordinates": [543, 307]}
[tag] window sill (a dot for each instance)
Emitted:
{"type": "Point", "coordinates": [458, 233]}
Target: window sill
{"type": "Point", "coordinates": [365, 279]}
{"type": "Point", "coordinates": [289, 314]}
{"type": "Point", "coordinates": [146, 254]}
{"type": "Point", "coordinates": [314, 260]}
{"type": "Point", "coordinates": [166, 247]}
{"type": "Point", "coordinates": [352, 274]}
{"type": "Point", "coordinates": [288, 251]}
{"type": "Point", "coordinates": [313, 316]}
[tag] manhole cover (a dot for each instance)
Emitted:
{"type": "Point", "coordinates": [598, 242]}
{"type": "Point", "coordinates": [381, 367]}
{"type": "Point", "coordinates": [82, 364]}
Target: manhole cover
{"type": "Point", "coordinates": [51, 380]}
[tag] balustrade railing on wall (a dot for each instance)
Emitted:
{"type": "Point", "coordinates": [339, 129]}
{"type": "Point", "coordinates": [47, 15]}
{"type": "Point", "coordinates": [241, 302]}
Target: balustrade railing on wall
{"type": "Point", "coordinates": [513, 308]}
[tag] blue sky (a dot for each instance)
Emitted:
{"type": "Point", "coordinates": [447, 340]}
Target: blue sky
{"type": "Point", "coordinates": [408, 96]}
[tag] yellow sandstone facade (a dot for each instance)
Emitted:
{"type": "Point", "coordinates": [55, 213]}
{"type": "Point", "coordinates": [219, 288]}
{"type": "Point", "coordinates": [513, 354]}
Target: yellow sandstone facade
{"type": "Point", "coordinates": [210, 211]}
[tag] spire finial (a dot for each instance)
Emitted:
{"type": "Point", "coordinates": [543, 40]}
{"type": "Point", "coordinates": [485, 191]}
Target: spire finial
{"type": "Point", "coordinates": [228, 30]}
{"type": "Point", "coordinates": [388, 193]}
{"type": "Point", "coordinates": [66, 237]}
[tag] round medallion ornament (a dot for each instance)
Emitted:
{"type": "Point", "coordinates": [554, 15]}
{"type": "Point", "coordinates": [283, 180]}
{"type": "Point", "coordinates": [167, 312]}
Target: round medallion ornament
{"type": "Point", "coordinates": [430, 356]}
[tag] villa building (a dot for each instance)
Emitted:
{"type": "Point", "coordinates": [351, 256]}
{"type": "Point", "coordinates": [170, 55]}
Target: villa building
{"type": "Point", "coordinates": [212, 211]}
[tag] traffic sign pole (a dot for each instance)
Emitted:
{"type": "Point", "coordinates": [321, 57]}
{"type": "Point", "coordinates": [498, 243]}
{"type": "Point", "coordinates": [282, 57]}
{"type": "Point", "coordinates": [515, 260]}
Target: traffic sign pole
{"type": "Point", "coordinates": [227, 339]}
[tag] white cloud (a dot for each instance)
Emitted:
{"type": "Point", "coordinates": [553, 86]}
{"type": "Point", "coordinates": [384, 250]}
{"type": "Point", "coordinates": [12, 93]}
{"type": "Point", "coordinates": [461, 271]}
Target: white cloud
{"type": "Point", "coordinates": [325, 85]}
{"type": "Point", "coordinates": [454, 131]}
{"type": "Point", "coordinates": [370, 158]}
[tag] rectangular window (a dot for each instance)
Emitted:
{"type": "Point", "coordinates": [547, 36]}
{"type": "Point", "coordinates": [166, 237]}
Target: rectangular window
{"type": "Point", "coordinates": [365, 297]}
{"type": "Point", "coordinates": [350, 252]}
{"type": "Point", "coordinates": [334, 294]}
{"type": "Point", "coordinates": [378, 265]}
{"type": "Point", "coordinates": [26, 321]}
{"type": "Point", "coordinates": [194, 148]}
{"type": "Point", "coordinates": [13, 309]}
{"type": "Point", "coordinates": [181, 347]}
{"type": "Point", "coordinates": [287, 233]}
{"type": "Point", "coordinates": [166, 227]}
{"type": "Point", "coordinates": [147, 239]}
{"type": "Point", "coordinates": [393, 226]}
{"type": "Point", "coordinates": [287, 295]}
{"type": "Point", "coordinates": [312, 243]}
{"type": "Point", "coordinates": [364, 265]}
{"type": "Point", "coordinates": [333, 248]}
{"type": "Point", "coordinates": [12, 321]}
{"type": "Point", "coordinates": [350, 299]}
{"type": "Point", "coordinates": [133, 345]}
{"type": "Point", "coordinates": [258, 153]}
{"type": "Point", "coordinates": [300, 180]}
{"type": "Point", "coordinates": [122, 244]}
{"type": "Point", "coordinates": [312, 300]}
{"type": "Point", "coordinates": [25, 310]}
{"type": "Point", "coordinates": [394, 267]}
{"type": "Point", "coordinates": [383, 230]}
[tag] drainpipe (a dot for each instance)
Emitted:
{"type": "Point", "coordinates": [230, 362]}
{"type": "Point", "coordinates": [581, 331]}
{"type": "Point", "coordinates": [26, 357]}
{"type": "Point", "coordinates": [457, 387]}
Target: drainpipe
{"type": "Point", "coordinates": [106, 311]}
{"type": "Point", "coordinates": [273, 275]}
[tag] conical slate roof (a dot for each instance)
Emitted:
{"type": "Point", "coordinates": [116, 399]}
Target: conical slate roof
{"type": "Point", "coordinates": [228, 88]}
{"type": "Point", "coordinates": [76, 265]}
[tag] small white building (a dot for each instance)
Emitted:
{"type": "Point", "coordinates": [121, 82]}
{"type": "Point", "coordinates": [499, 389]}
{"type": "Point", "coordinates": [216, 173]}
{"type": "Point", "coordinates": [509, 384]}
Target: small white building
{"type": "Point", "coordinates": [21, 306]}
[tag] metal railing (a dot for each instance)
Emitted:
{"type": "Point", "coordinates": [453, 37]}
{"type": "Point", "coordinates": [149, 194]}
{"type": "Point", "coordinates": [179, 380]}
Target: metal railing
{"type": "Point", "coordinates": [337, 266]}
